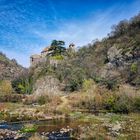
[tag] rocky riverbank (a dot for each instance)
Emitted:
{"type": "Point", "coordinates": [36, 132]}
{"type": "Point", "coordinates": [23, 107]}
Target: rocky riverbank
{"type": "Point", "coordinates": [79, 126]}
{"type": "Point", "coordinates": [6, 134]}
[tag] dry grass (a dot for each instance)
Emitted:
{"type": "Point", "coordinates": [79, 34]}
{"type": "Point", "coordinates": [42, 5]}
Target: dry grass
{"type": "Point", "coordinates": [87, 99]}
{"type": "Point", "coordinates": [5, 87]}
{"type": "Point", "coordinates": [125, 99]}
{"type": "Point", "coordinates": [128, 91]}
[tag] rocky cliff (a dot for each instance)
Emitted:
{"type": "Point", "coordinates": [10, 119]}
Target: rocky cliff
{"type": "Point", "coordinates": [9, 68]}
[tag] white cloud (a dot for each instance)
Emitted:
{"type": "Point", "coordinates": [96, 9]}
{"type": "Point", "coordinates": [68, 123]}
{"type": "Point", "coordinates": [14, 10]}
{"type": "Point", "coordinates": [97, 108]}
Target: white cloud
{"type": "Point", "coordinates": [80, 31]}
{"type": "Point", "coordinates": [98, 25]}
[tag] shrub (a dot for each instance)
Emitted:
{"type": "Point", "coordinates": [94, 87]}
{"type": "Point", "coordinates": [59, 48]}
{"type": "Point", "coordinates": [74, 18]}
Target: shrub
{"type": "Point", "coordinates": [5, 87]}
{"type": "Point", "coordinates": [136, 104]}
{"type": "Point", "coordinates": [11, 98]}
{"type": "Point", "coordinates": [74, 79]}
{"type": "Point", "coordinates": [111, 84]}
{"type": "Point", "coordinates": [87, 101]}
{"type": "Point", "coordinates": [28, 128]}
{"type": "Point", "coordinates": [109, 102]}
{"type": "Point", "coordinates": [58, 57]}
{"type": "Point", "coordinates": [87, 84]}
{"type": "Point", "coordinates": [115, 118]}
{"type": "Point", "coordinates": [43, 99]}
{"type": "Point", "coordinates": [123, 105]}
{"type": "Point", "coordinates": [118, 104]}
{"type": "Point", "coordinates": [31, 99]}
{"type": "Point", "coordinates": [23, 83]}
{"type": "Point", "coordinates": [134, 68]}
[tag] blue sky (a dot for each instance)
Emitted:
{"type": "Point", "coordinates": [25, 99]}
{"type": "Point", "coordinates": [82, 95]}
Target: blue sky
{"type": "Point", "coordinates": [27, 26]}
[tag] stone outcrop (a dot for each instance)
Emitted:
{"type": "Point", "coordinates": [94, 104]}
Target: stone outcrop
{"type": "Point", "coordinates": [47, 84]}
{"type": "Point", "coordinates": [118, 62]}
{"type": "Point", "coordinates": [9, 68]}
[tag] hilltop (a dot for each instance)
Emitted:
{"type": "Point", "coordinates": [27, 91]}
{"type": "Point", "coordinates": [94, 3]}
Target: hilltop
{"type": "Point", "coordinates": [111, 62]}
{"type": "Point", "coordinates": [9, 68]}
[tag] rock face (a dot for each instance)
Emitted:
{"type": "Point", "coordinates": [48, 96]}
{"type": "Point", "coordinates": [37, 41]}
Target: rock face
{"type": "Point", "coordinates": [9, 68]}
{"type": "Point", "coordinates": [120, 64]}
{"type": "Point", "coordinates": [47, 84]}
{"type": "Point", "coordinates": [113, 54]}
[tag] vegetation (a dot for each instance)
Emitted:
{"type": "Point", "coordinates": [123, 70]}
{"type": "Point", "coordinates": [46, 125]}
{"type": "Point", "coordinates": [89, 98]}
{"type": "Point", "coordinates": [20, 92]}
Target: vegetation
{"type": "Point", "coordinates": [29, 128]}
{"type": "Point", "coordinates": [3, 58]}
{"type": "Point", "coordinates": [57, 48]}
{"type": "Point", "coordinates": [5, 87]}
{"type": "Point", "coordinates": [43, 99]}
{"type": "Point", "coordinates": [23, 83]}
{"type": "Point", "coordinates": [11, 98]}
{"type": "Point", "coordinates": [94, 64]}
{"type": "Point", "coordinates": [58, 57]}
{"type": "Point", "coordinates": [93, 75]}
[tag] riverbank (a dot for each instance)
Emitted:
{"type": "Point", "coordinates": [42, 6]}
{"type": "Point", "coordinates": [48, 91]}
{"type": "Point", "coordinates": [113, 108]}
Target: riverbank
{"type": "Point", "coordinates": [80, 126]}
{"type": "Point", "coordinates": [74, 116]}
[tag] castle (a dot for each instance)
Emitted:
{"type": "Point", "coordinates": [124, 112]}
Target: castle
{"type": "Point", "coordinates": [42, 57]}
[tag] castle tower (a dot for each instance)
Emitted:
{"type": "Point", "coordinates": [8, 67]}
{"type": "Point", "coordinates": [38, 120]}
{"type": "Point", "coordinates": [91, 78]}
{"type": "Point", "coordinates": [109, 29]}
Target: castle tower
{"type": "Point", "coordinates": [72, 47]}
{"type": "Point", "coordinates": [35, 59]}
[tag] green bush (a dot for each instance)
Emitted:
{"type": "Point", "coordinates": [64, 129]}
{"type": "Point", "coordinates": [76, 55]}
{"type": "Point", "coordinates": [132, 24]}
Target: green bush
{"type": "Point", "coordinates": [28, 128]}
{"type": "Point", "coordinates": [109, 102]}
{"type": "Point", "coordinates": [123, 105]}
{"type": "Point", "coordinates": [71, 75]}
{"type": "Point", "coordinates": [87, 84]}
{"type": "Point", "coordinates": [136, 104]}
{"type": "Point", "coordinates": [23, 83]}
{"type": "Point", "coordinates": [111, 84]}
{"type": "Point", "coordinates": [43, 99]}
{"type": "Point", "coordinates": [134, 68]}
{"type": "Point", "coordinates": [118, 103]}
{"type": "Point", "coordinates": [75, 79]}
{"type": "Point", "coordinates": [58, 57]}
{"type": "Point", "coordinates": [6, 87]}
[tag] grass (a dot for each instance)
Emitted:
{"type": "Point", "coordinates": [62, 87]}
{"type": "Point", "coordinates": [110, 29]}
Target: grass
{"type": "Point", "coordinates": [57, 57]}
{"type": "Point", "coordinates": [115, 118]}
{"type": "Point", "coordinates": [4, 59]}
{"type": "Point", "coordinates": [28, 128]}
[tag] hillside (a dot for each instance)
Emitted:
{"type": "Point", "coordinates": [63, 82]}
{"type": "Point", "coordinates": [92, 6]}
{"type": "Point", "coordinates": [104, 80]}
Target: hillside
{"type": "Point", "coordinates": [115, 58]}
{"type": "Point", "coordinates": [9, 68]}
{"type": "Point", "coordinates": [89, 93]}
{"type": "Point", "coordinates": [113, 61]}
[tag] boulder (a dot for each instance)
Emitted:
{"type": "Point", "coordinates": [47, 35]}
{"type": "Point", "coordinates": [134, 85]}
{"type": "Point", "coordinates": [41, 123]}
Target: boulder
{"type": "Point", "coordinates": [47, 84]}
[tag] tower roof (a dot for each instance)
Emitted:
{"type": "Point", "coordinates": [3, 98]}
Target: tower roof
{"type": "Point", "coordinates": [45, 49]}
{"type": "Point", "coordinates": [72, 44]}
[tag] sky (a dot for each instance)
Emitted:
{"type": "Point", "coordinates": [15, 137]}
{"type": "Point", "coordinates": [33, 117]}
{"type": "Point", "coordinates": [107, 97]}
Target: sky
{"type": "Point", "coordinates": [27, 26]}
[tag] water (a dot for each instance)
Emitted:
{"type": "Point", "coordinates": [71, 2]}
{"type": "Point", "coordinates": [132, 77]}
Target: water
{"type": "Point", "coordinates": [87, 125]}
{"type": "Point", "coordinates": [51, 129]}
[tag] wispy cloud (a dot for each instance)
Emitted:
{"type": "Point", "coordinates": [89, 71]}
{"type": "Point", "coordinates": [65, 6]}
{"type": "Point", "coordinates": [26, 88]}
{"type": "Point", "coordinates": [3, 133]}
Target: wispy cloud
{"type": "Point", "coordinates": [53, 9]}
{"type": "Point", "coordinates": [27, 26]}
{"type": "Point", "coordinates": [84, 31]}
